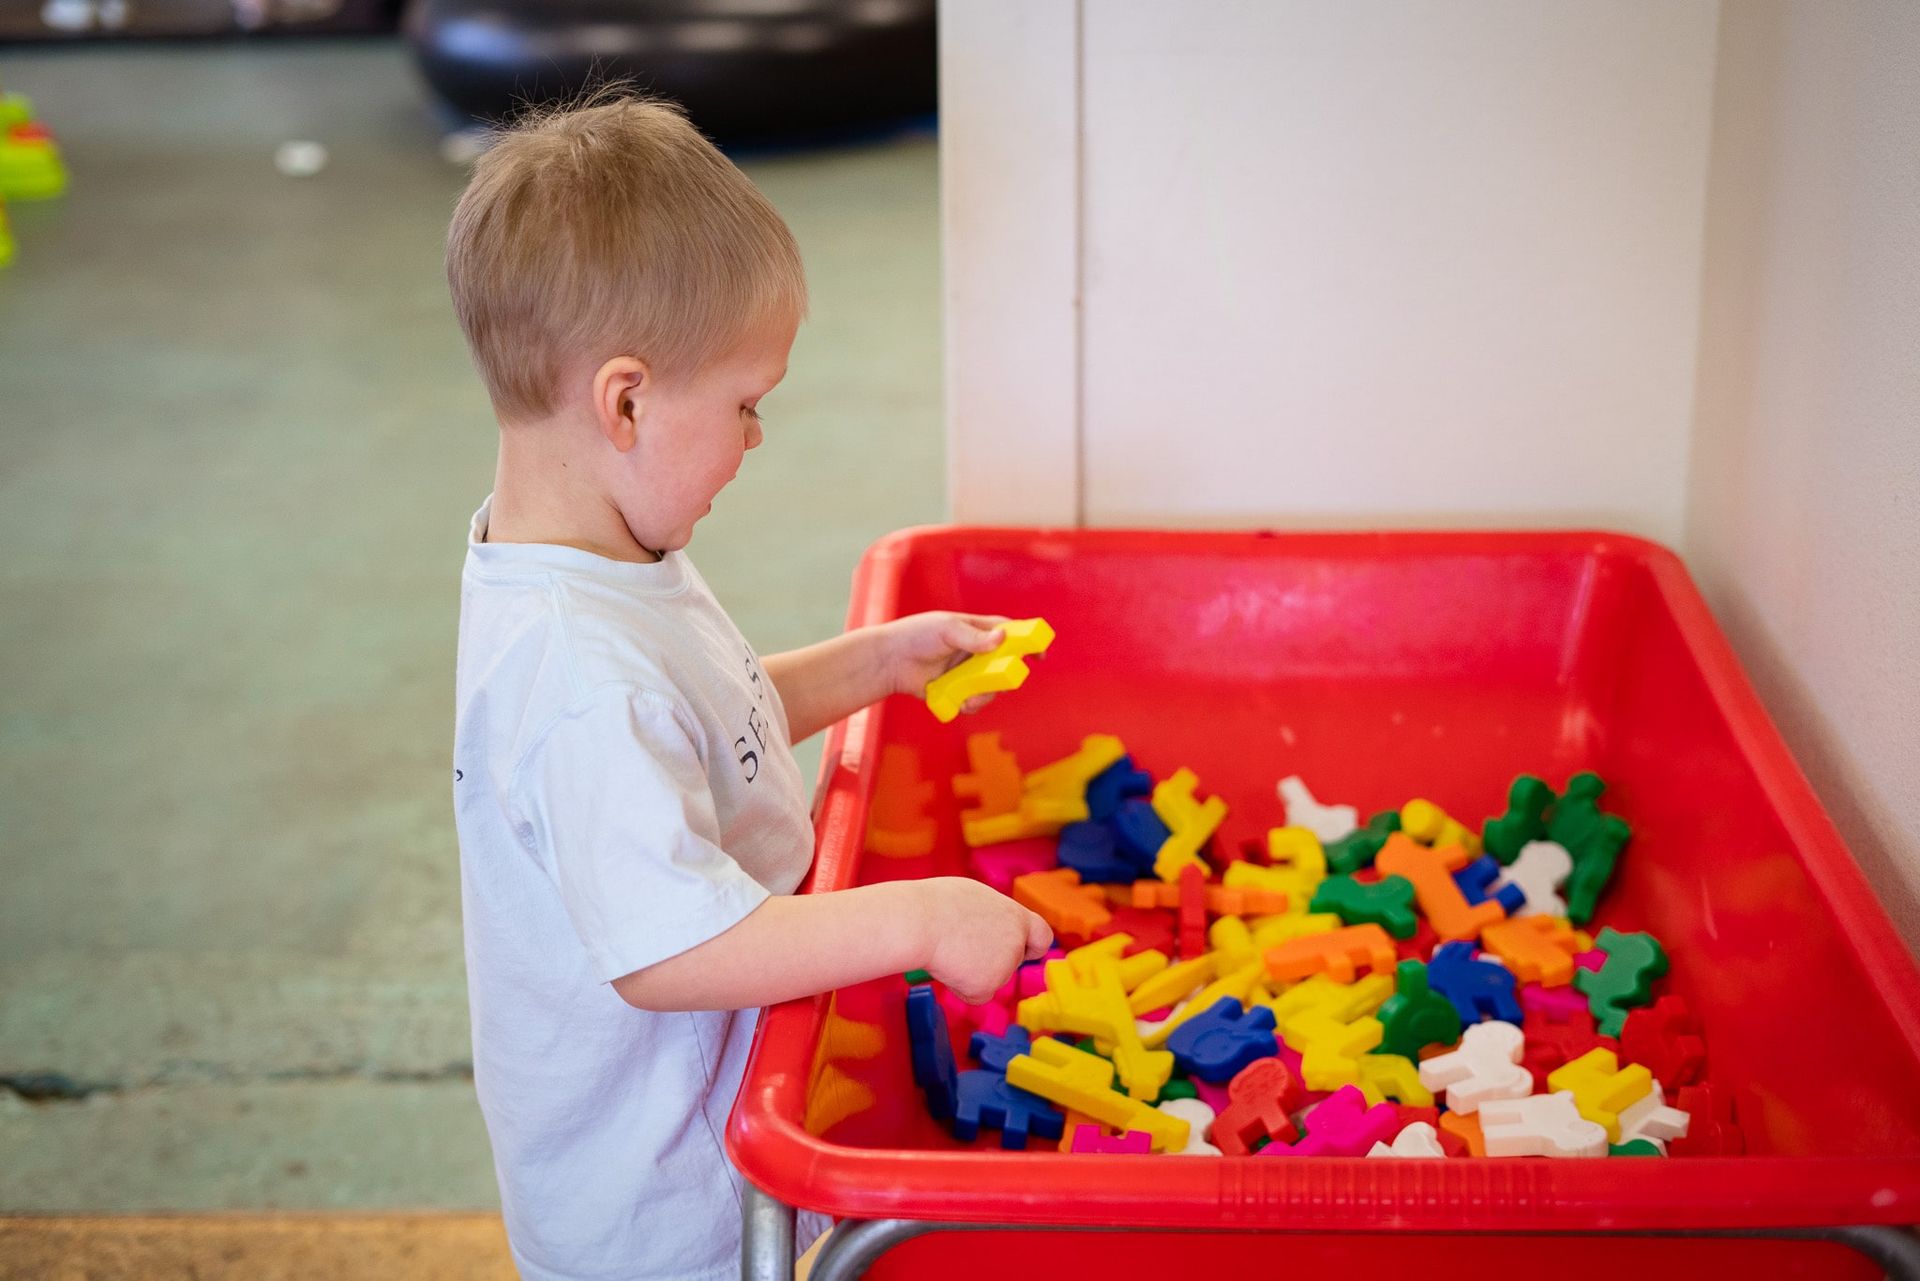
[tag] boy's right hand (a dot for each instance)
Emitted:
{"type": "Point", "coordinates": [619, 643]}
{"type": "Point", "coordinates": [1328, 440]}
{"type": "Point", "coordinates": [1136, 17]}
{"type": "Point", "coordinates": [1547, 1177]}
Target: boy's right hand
{"type": "Point", "coordinates": [978, 936]}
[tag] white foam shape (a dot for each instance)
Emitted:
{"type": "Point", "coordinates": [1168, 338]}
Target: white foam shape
{"type": "Point", "coordinates": [1146, 1027]}
{"type": "Point", "coordinates": [1485, 1067]}
{"type": "Point", "coordinates": [1540, 1125]}
{"type": "Point", "coordinates": [1199, 1119]}
{"type": "Point", "coordinates": [1328, 822]}
{"type": "Point", "coordinates": [1649, 1117]}
{"type": "Point", "coordinates": [1540, 869]}
{"type": "Point", "coordinates": [1418, 1139]}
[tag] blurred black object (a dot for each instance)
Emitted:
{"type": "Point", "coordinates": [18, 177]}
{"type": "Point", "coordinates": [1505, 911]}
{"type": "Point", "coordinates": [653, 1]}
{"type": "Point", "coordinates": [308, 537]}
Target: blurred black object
{"type": "Point", "coordinates": [746, 70]}
{"type": "Point", "coordinates": [39, 20]}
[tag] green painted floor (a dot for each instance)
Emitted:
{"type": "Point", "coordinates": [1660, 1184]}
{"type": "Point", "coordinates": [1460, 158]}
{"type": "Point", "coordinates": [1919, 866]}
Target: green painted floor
{"type": "Point", "coordinates": [239, 442]}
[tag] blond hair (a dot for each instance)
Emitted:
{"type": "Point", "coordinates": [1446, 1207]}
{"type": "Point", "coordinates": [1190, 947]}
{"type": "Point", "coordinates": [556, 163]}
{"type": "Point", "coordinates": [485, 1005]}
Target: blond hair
{"type": "Point", "coordinates": [605, 230]}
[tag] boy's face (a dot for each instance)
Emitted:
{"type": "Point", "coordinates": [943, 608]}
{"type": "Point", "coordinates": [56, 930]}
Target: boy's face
{"type": "Point", "coordinates": [694, 432]}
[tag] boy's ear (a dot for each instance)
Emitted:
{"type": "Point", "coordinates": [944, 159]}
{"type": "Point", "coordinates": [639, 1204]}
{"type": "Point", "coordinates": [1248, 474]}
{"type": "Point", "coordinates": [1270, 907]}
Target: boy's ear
{"type": "Point", "coordinates": [620, 390]}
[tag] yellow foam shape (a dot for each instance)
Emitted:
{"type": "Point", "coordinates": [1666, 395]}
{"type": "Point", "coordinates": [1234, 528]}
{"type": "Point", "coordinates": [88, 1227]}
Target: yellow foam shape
{"type": "Point", "coordinates": [1074, 1079]}
{"type": "Point", "coordinates": [1299, 851]}
{"type": "Point", "coordinates": [1003, 669]}
{"type": "Point", "coordinates": [1069, 776]}
{"type": "Point", "coordinates": [1080, 959]}
{"type": "Point", "coordinates": [1271, 931]}
{"type": "Point", "coordinates": [1395, 1076]}
{"type": "Point", "coordinates": [1141, 966]}
{"type": "Point", "coordinates": [1322, 996]}
{"type": "Point", "coordinates": [1232, 944]}
{"type": "Point", "coordinates": [1601, 1088]}
{"type": "Point", "coordinates": [1428, 824]}
{"type": "Point", "coordinates": [1239, 985]}
{"type": "Point", "coordinates": [1295, 883]}
{"type": "Point", "coordinates": [1175, 983]}
{"type": "Point", "coordinates": [1330, 1051]}
{"type": "Point", "coordinates": [1190, 820]}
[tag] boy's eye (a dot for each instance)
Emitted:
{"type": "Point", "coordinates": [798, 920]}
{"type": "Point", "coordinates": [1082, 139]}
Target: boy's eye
{"type": "Point", "coordinates": [751, 412]}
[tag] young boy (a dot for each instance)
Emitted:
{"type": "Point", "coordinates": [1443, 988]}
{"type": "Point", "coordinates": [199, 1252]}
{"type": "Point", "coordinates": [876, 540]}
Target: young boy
{"type": "Point", "coordinates": [632, 822]}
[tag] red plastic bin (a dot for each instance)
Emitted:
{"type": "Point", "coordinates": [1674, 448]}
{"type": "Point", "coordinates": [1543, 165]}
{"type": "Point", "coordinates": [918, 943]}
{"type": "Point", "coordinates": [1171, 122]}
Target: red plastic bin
{"type": "Point", "coordinates": [1379, 667]}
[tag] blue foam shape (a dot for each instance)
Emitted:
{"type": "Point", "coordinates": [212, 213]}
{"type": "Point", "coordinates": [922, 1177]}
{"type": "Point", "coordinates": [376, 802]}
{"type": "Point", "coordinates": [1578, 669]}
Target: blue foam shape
{"type": "Point", "coordinates": [1138, 831]}
{"type": "Point", "coordinates": [931, 1046]}
{"type": "Point", "coordinates": [1477, 988]}
{"type": "Point", "coordinates": [997, 1051]}
{"type": "Point", "coordinates": [1215, 1045]}
{"type": "Point", "coordinates": [1115, 784]}
{"type": "Point", "coordinates": [1088, 848]}
{"type": "Point", "coordinates": [985, 1099]}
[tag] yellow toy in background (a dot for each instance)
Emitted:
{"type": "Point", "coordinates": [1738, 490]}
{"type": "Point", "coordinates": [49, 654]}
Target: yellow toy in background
{"type": "Point", "coordinates": [1003, 669]}
{"type": "Point", "coordinates": [30, 163]}
{"type": "Point", "coordinates": [1190, 820]}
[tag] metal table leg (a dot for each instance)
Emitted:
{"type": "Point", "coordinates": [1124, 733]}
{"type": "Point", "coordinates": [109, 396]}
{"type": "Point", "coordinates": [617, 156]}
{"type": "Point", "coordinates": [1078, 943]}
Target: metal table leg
{"type": "Point", "coordinates": [766, 1237]}
{"type": "Point", "coordinates": [855, 1245]}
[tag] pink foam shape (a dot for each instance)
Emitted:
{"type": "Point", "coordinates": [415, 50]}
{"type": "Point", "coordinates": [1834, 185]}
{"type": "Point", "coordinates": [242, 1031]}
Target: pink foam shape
{"type": "Point", "coordinates": [997, 865]}
{"type": "Point", "coordinates": [990, 1016]}
{"type": "Point", "coordinates": [1343, 1125]}
{"type": "Point", "coordinates": [1214, 1096]}
{"type": "Point", "coordinates": [1557, 1003]}
{"type": "Point", "coordinates": [1031, 978]}
{"type": "Point", "coordinates": [1087, 1138]}
{"type": "Point", "coordinates": [1591, 960]}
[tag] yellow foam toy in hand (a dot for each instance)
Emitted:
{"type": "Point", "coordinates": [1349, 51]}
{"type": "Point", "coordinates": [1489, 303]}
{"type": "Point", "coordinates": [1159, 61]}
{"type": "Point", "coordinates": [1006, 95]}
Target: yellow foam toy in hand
{"type": "Point", "coordinates": [1002, 669]}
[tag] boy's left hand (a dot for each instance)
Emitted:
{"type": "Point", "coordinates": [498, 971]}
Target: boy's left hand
{"type": "Point", "coordinates": [915, 649]}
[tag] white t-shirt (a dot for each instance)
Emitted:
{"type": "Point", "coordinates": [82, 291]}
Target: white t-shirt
{"type": "Point", "coordinates": [624, 789]}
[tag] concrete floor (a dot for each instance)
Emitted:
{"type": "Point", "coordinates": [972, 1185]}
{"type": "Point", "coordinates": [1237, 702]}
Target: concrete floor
{"type": "Point", "coordinates": [239, 441]}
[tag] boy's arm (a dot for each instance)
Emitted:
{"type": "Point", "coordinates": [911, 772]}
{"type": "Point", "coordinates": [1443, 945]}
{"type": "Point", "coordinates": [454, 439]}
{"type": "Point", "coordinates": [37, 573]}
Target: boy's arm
{"type": "Point", "coordinates": [968, 936]}
{"type": "Point", "coordinates": [826, 682]}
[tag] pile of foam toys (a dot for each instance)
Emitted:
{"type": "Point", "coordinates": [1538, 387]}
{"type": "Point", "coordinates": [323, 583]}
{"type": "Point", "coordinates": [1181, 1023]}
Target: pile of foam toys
{"type": "Point", "coordinates": [1402, 987]}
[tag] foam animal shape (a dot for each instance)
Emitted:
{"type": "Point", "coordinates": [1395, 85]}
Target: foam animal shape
{"type": "Point", "coordinates": [1625, 979]}
{"type": "Point", "coordinates": [1540, 869]}
{"type": "Point", "coordinates": [1539, 1125]}
{"type": "Point", "coordinates": [1666, 1037]}
{"type": "Point", "coordinates": [1477, 882]}
{"type": "Point", "coordinates": [1417, 1140]}
{"type": "Point", "coordinates": [1651, 1120]}
{"type": "Point", "coordinates": [1486, 1066]}
{"type": "Point", "coordinates": [1478, 988]}
{"type": "Point", "coordinates": [1342, 1125]}
{"type": "Point", "coordinates": [1357, 848]}
{"type": "Point", "coordinates": [1217, 1044]}
{"type": "Point", "coordinates": [1387, 902]}
{"type": "Point", "coordinates": [985, 1099]}
{"type": "Point", "coordinates": [1416, 1016]}
{"type": "Point", "coordinates": [1525, 820]}
{"type": "Point", "coordinates": [1601, 1088]}
{"type": "Point", "coordinates": [1328, 822]}
{"type": "Point", "coordinates": [1538, 949]}
{"type": "Point", "coordinates": [1199, 1117]}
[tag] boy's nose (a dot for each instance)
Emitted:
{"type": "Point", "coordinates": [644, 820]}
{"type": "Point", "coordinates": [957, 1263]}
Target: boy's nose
{"type": "Point", "coordinates": [754, 435]}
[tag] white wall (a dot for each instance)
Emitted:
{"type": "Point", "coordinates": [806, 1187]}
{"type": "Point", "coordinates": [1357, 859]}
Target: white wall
{"type": "Point", "coordinates": [1804, 527]}
{"type": "Point", "coordinates": [1340, 262]}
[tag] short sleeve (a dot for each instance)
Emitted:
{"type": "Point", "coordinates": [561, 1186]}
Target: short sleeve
{"type": "Point", "coordinates": [619, 807]}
